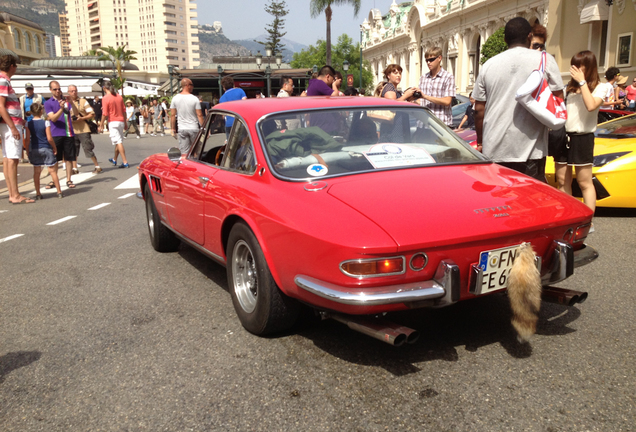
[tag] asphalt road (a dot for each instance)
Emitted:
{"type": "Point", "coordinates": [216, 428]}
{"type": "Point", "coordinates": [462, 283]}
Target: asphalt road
{"type": "Point", "coordinates": [98, 332]}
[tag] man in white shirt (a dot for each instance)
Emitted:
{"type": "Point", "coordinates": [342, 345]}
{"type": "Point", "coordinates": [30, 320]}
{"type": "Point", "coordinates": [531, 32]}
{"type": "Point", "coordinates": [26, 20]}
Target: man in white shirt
{"type": "Point", "coordinates": [185, 110]}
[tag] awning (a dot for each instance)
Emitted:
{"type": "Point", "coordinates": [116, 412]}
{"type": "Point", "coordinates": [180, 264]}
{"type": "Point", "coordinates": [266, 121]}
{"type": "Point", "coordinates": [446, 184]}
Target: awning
{"type": "Point", "coordinates": [595, 10]}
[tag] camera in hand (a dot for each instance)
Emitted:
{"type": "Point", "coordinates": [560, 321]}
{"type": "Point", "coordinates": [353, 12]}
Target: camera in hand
{"type": "Point", "coordinates": [417, 94]}
{"type": "Point", "coordinates": [74, 117]}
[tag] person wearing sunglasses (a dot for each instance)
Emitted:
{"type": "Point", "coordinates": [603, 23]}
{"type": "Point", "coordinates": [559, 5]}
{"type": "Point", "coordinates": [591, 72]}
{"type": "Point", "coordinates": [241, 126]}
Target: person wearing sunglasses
{"type": "Point", "coordinates": [539, 37]}
{"type": "Point", "coordinates": [60, 111]}
{"type": "Point", "coordinates": [437, 87]}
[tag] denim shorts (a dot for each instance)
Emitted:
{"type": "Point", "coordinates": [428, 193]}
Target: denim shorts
{"type": "Point", "coordinates": [42, 156]}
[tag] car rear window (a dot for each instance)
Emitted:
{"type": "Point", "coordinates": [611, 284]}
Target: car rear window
{"type": "Point", "coordinates": [320, 143]}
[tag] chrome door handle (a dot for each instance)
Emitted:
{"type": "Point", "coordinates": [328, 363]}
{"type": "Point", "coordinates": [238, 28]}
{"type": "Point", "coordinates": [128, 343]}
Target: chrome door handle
{"type": "Point", "coordinates": [204, 181]}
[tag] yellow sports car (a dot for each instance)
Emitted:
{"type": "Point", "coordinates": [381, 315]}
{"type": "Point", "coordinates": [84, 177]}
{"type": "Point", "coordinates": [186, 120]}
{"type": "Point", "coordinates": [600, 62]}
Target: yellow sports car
{"type": "Point", "coordinates": [614, 164]}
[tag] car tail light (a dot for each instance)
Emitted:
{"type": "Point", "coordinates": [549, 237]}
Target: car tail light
{"type": "Point", "coordinates": [581, 233]}
{"type": "Point", "coordinates": [373, 267]}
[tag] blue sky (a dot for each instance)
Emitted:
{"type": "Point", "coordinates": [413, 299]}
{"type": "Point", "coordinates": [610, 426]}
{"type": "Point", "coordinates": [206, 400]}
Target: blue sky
{"type": "Point", "coordinates": [246, 19]}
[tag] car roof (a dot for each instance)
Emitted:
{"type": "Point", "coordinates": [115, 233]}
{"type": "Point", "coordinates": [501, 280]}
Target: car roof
{"type": "Point", "coordinates": [260, 107]}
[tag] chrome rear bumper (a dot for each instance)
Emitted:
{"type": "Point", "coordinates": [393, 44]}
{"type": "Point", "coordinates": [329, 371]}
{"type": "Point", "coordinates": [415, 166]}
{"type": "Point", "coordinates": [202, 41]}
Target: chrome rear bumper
{"type": "Point", "coordinates": [444, 288]}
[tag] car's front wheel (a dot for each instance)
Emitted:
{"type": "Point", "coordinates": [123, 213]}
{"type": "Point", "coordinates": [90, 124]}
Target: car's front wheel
{"type": "Point", "coordinates": [161, 238]}
{"type": "Point", "coordinates": [260, 305]}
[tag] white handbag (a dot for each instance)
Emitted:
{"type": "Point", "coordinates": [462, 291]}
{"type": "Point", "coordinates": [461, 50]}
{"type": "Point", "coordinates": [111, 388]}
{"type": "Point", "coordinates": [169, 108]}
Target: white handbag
{"type": "Point", "coordinates": [535, 96]}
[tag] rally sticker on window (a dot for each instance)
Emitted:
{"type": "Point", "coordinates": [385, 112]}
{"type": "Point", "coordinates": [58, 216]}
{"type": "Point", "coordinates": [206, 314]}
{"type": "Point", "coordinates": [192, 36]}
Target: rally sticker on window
{"type": "Point", "coordinates": [394, 155]}
{"type": "Point", "coordinates": [317, 170]}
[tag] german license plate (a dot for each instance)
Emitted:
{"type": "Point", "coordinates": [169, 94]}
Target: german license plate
{"type": "Point", "coordinates": [495, 265]}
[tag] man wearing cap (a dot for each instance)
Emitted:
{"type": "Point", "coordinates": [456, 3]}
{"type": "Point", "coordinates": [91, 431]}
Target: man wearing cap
{"type": "Point", "coordinates": [27, 99]}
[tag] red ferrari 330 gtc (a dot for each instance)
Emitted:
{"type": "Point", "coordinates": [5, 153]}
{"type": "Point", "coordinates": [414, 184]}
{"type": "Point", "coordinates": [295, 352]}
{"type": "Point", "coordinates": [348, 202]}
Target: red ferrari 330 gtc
{"type": "Point", "coordinates": [355, 207]}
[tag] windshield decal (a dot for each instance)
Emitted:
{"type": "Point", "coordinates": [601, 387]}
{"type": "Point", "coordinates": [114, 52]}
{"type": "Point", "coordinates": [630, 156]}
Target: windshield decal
{"type": "Point", "coordinates": [395, 155]}
{"type": "Point", "coordinates": [316, 170]}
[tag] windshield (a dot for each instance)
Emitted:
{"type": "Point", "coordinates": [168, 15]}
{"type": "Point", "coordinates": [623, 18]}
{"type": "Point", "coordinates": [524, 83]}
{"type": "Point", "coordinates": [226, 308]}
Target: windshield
{"type": "Point", "coordinates": [301, 145]}
{"type": "Point", "coordinates": [624, 127]}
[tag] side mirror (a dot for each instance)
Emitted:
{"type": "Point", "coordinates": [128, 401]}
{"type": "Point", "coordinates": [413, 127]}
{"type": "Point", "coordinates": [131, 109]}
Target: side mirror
{"type": "Point", "coordinates": [174, 154]}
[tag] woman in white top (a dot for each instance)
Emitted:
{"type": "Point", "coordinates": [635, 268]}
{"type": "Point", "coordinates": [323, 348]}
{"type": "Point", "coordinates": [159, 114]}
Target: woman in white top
{"type": "Point", "coordinates": [583, 100]}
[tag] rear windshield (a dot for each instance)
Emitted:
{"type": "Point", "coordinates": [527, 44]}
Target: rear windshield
{"type": "Point", "coordinates": [624, 127]}
{"type": "Point", "coordinates": [310, 144]}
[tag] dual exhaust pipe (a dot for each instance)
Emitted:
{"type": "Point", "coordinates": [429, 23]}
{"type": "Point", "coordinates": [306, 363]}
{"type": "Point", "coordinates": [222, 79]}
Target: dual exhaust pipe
{"type": "Point", "coordinates": [397, 335]}
{"type": "Point", "coordinates": [378, 328]}
{"type": "Point", "coordinates": [562, 296]}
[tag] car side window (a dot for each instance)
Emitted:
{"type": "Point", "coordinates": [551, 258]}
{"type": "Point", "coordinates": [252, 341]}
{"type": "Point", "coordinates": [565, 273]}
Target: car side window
{"type": "Point", "coordinates": [211, 142]}
{"type": "Point", "coordinates": [240, 151]}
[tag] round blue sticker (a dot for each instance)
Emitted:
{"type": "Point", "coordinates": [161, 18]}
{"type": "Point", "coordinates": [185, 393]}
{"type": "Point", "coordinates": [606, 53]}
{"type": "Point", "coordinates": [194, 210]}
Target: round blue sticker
{"type": "Point", "coordinates": [317, 170]}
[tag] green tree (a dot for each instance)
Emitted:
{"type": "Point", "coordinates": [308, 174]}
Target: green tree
{"type": "Point", "coordinates": [343, 50]}
{"type": "Point", "coordinates": [118, 57]}
{"type": "Point", "coordinates": [278, 9]}
{"type": "Point", "coordinates": [317, 7]}
{"type": "Point", "coordinates": [494, 45]}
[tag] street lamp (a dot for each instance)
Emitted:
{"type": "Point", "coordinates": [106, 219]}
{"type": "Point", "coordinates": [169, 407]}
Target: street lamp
{"type": "Point", "coordinates": [170, 68]}
{"type": "Point", "coordinates": [219, 69]}
{"type": "Point", "coordinates": [279, 59]}
{"type": "Point", "coordinates": [345, 65]}
{"type": "Point", "coordinates": [259, 59]}
{"type": "Point", "coordinates": [268, 73]}
{"type": "Point", "coordinates": [268, 52]}
{"type": "Point", "coordinates": [315, 69]}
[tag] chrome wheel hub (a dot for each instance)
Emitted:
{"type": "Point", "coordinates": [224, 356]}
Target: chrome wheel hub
{"type": "Point", "coordinates": [245, 277]}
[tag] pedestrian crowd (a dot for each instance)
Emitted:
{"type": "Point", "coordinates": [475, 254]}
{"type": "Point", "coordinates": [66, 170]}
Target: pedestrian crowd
{"type": "Point", "coordinates": [507, 133]}
{"type": "Point", "coordinates": [52, 132]}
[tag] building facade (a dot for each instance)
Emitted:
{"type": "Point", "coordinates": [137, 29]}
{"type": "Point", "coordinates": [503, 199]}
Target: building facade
{"type": "Point", "coordinates": [460, 27]}
{"type": "Point", "coordinates": [25, 38]}
{"type": "Point", "coordinates": [162, 32]}
{"type": "Point", "coordinates": [65, 37]}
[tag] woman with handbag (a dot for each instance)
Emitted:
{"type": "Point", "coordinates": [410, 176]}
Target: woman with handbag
{"type": "Point", "coordinates": [584, 98]}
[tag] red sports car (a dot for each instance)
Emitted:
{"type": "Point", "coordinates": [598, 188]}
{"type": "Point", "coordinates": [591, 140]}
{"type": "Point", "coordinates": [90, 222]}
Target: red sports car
{"type": "Point", "coordinates": [353, 207]}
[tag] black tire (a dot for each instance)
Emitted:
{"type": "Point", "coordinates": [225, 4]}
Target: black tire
{"type": "Point", "coordinates": [260, 305]}
{"type": "Point", "coordinates": [161, 238]}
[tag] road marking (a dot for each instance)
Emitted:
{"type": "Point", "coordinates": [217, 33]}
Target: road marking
{"type": "Point", "coordinates": [64, 219]}
{"type": "Point", "coordinates": [3, 211]}
{"type": "Point", "coordinates": [131, 183]}
{"type": "Point", "coordinates": [10, 237]}
{"type": "Point", "coordinates": [98, 206]}
{"type": "Point", "coordinates": [127, 195]}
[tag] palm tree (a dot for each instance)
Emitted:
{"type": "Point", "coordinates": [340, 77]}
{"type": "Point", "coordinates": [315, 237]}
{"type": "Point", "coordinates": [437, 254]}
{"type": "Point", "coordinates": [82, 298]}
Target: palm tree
{"type": "Point", "coordinates": [118, 57]}
{"type": "Point", "coordinates": [318, 6]}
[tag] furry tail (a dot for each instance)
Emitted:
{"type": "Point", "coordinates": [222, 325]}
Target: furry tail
{"type": "Point", "coordinates": [524, 292]}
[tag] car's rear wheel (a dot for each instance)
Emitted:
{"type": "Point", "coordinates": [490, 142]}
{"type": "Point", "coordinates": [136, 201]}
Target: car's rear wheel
{"type": "Point", "coordinates": [161, 238]}
{"type": "Point", "coordinates": [260, 305]}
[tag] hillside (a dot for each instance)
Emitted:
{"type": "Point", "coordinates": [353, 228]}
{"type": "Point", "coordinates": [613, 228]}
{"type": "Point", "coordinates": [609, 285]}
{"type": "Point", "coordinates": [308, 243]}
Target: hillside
{"type": "Point", "coordinates": [42, 12]}
{"type": "Point", "coordinates": [216, 44]}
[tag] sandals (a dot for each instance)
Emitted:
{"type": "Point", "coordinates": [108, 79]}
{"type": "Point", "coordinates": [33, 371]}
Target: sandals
{"type": "Point", "coordinates": [70, 185]}
{"type": "Point", "coordinates": [38, 197]}
{"type": "Point", "coordinates": [51, 185]}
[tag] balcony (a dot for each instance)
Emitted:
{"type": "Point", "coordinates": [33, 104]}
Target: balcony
{"type": "Point", "coordinates": [95, 30]}
{"type": "Point", "coordinates": [93, 14]}
{"type": "Point", "coordinates": [170, 23]}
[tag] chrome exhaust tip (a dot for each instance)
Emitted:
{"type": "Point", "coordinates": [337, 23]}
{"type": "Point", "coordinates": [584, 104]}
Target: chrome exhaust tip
{"type": "Point", "coordinates": [378, 328]}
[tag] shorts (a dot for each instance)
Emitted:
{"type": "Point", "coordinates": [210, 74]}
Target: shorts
{"type": "Point", "coordinates": [65, 148]}
{"type": "Point", "coordinates": [11, 148]}
{"type": "Point", "coordinates": [42, 156]}
{"type": "Point", "coordinates": [580, 150]}
{"type": "Point", "coordinates": [116, 132]}
{"type": "Point", "coordinates": [186, 139]}
{"type": "Point", "coordinates": [85, 140]}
